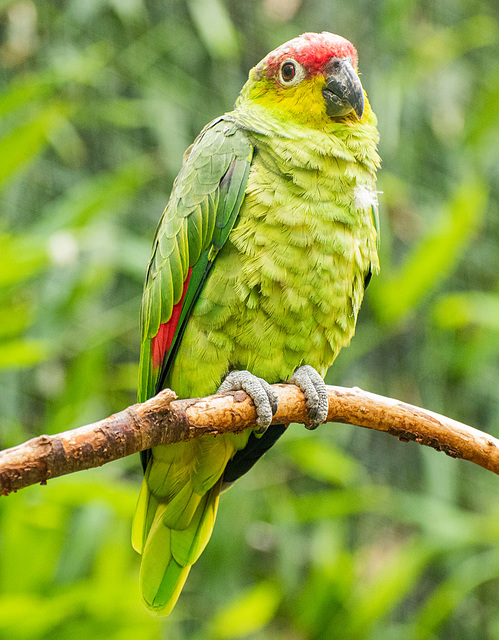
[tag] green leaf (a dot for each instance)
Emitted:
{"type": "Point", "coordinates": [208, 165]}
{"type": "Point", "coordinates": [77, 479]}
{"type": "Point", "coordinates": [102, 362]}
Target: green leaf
{"type": "Point", "coordinates": [14, 319]}
{"type": "Point", "coordinates": [395, 575]}
{"type": "Point", "coordinates": [323, 461]}
{"type": "Point", "coordinates": [336, 504]}
{"type": "Point", "coordinates": [464, 577]}
{"type": "Point", "coordinates": [248, 613]}
{"type": "Point", "coordinates": [25, 142]}
{"type": "Point", "coordinates": [434, 257]}
{"type": "Point", "coordinates": [20, 258]}
{"type": "Point", "coordinates": [215, 27]}
{"type": "Point", "coordinates": [89, 198]}
{"type": "Point", "coordinates": [23, 92]}
{"type": "Point", "coordinates": [458, 310]}
{"type": "Point", "coordinates": [18, 354]}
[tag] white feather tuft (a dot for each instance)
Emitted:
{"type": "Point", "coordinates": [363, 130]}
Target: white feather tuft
{"type": "Point", "coordinates": [364, 197]}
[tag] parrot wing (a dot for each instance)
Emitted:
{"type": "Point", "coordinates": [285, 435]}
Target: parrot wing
{"type": "Point", "coordinates": [203, 206]}
{"type": "Point", "coordinates": [179, 496]}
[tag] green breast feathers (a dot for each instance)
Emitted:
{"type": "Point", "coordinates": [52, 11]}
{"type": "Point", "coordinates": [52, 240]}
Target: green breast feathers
{"type": "Point", "coordinates": [289, 281]}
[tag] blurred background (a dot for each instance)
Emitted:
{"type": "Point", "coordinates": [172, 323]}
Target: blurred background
{"type": "Point", "coordinates": [340, 533]}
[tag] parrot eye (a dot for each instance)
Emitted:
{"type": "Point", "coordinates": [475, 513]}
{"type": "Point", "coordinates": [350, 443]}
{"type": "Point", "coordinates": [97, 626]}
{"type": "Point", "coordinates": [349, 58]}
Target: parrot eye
{"type": "Point", "coordinates": [288, 71]}
{"type": "Point", "coordinates": [291, 72]}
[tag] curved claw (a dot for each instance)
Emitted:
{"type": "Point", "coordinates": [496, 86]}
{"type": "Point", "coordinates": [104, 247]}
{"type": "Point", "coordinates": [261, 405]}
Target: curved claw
{"type": "Point", "coordinates": [259, 390]}
{"type": "Point", "coordinates": [314, 389]}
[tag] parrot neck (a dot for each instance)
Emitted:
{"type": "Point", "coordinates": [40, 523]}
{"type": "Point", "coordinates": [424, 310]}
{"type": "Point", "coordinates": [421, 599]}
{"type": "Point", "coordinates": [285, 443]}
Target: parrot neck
{"type": "Point", "coordinates": [347, 138]}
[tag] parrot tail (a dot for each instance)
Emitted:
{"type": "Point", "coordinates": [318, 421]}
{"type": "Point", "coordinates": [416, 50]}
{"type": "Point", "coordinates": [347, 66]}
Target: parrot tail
{"type": "Point", "coordinates": [168, 553]}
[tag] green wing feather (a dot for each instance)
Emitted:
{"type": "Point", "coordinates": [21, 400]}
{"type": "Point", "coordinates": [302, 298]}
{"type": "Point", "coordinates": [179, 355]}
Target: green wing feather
{"type": "Point", "coordinates": [203, 206]}
{"type": "Point", "coordinates": [179, 496]}
{"type": "Point", "coordinates": [375, 216]}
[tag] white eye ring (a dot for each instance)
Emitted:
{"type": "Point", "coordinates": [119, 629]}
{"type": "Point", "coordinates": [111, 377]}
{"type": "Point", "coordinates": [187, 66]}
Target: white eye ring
{"type": "Point", "coordinates": [291, 73]}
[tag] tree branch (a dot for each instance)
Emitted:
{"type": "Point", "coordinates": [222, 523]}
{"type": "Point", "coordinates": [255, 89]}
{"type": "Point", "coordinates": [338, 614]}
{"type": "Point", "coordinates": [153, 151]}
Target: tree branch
{"type": "Point", "coordinates": [164, 420]}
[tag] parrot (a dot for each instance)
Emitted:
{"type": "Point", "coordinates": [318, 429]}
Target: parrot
{"type": "Point", "coordinates": [258, 270]}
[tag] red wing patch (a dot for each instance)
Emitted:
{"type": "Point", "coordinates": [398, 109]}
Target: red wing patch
{"type": "Point", "coordinates": [162, 341]}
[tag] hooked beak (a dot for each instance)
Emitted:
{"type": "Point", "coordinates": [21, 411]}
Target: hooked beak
{"type": "Point", "coordinates": [343, 92]}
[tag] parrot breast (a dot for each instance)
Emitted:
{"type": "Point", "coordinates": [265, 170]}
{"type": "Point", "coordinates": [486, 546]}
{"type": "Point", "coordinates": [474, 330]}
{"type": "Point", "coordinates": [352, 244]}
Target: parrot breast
{"type": "Point", "coordinates": [287, 286]}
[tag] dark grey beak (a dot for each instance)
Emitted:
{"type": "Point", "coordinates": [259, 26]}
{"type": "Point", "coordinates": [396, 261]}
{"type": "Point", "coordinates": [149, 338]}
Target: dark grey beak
{"type": "Point", "coordinates": [343, 92]}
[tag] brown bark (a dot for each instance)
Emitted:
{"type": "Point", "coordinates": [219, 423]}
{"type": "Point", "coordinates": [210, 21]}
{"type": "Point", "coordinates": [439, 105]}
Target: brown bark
{"type": "Point", "coordinates": [163, 420]}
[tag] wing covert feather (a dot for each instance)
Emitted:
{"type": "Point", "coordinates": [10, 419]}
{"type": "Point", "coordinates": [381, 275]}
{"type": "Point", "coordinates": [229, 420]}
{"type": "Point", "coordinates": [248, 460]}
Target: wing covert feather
{"type": "Point", "coordinates": [203, 206]}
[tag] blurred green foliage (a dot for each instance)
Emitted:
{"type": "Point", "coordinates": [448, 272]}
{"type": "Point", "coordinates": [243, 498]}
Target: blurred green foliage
{"type": "Point", "coordinates": [340, 534]}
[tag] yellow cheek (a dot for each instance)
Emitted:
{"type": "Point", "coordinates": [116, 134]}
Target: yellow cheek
{"type": "Point", "coordinates": [304, 102]}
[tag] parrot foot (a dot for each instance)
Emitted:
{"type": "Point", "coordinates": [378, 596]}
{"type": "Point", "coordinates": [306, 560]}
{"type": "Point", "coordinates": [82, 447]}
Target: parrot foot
{"type": "Point", "coordinates": [314, 389]}
{"type": "Point", "coordinates": [259, 390]}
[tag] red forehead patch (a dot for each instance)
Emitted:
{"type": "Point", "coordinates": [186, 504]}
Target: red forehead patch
{"type": "Point", "coordinates": [311, 50]}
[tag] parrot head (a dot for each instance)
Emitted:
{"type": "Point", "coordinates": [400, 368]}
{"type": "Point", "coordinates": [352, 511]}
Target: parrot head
{"type": "Point", "coordinates": [312, 77]}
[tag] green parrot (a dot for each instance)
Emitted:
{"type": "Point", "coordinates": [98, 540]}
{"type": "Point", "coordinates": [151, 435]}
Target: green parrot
{"type": "Point", "coordinates": [258, 270]}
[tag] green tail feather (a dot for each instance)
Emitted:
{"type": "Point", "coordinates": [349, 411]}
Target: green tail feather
{"type": "Point", "coordinates": [167, 553]}
{"type": "Point", "coordinates": [139, 518]}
